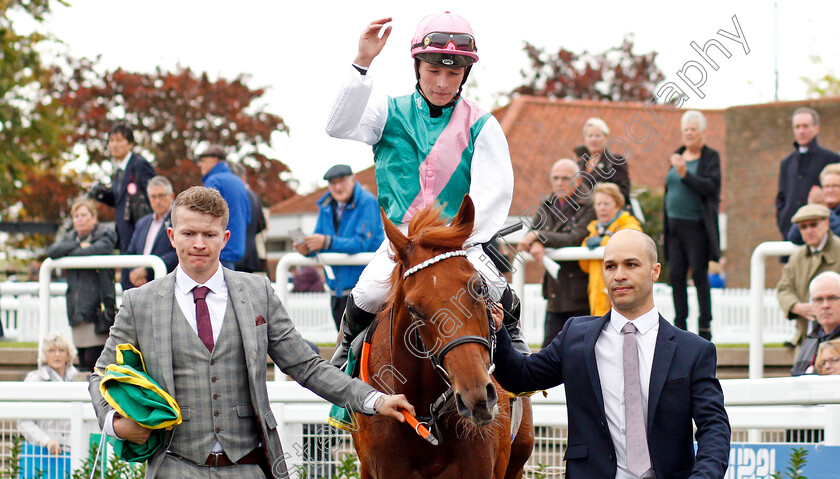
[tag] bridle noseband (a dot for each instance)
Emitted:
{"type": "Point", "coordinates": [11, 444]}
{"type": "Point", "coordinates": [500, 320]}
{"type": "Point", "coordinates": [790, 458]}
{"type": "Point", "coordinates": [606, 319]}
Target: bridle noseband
{"type": "Point", "coordinates": [447, 400]}
{"type": "Point", "coordinates": [437, 359]}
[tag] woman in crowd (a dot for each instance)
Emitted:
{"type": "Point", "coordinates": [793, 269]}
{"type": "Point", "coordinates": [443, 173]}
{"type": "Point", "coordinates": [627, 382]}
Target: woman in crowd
{"type": "Point", "coordinates": [692, 196]}
{"type": "Point", "coordinates": [46, 447]}
{"type": "Point", "coordinates": [603, 165]}
{"type": "Point", "coordinates": [609, 218]}
{"type": "Point", "coordinates": [90, 292]}
{"type": "Point", "coordinates": [828, 357]}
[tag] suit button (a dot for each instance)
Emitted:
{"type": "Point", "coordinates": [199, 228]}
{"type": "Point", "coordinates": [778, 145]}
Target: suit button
{"type": "Point", "coordinates": [603, 424]}
{"type": "Point", "coordinates": [216, 413]}
{"type": "Point", "coordinates": [215, 396]}
{"type": "Point", "coordinates": [611, 457]}
{"type": "Point", "coordinates": [212, 362]}
{"type": "Point", "coordinates": [213, 379]}
{"type": "Point", "coordinates": [218, 429]}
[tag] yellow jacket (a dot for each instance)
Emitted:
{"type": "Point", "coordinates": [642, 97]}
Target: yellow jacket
{"type": "Point", "coordinates": [599, 302]}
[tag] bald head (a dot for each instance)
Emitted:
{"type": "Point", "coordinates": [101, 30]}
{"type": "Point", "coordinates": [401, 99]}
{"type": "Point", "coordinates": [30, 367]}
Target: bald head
{"type": "Point", "coordinates": [566, 163]}
{"type": "Point", "coordinates": [562, 177]}
{"type": "Point", "coordinates": [630, 269]}
{"type": "Point", "coordinates": [637, 240]}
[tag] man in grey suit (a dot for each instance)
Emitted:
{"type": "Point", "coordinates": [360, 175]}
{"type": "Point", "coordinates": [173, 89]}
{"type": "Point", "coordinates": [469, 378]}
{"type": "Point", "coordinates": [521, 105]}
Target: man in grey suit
{"type": "Point", "coordinates": [204, 332]}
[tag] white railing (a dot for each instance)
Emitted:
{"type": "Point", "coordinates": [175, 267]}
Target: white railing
{"type": "Point", "coordinates": [575, 253]}
{"type": "Point", "coordinates": [86, 262]}
{"type": "Point", "coordinates": [285, 264]}
{"type": "Point", "coordinates": [729, 306]}
{"type": "Point", "coordinates": [313, 317]}
{"type": "Point", "coordinates": [811, 402]}
{"type": "Point", "coordinates": [758, 261]}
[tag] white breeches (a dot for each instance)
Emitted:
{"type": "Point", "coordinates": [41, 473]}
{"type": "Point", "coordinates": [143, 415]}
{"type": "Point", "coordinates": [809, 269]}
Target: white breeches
{"type": "Point", "coordinates": [372, 289]}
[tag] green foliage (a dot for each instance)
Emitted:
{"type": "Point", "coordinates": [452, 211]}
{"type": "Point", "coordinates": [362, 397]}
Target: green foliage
{"type": "Point", "coordinates": [348, 467]}
{"type": "Point", "coordinates": [796, 462]}
{"type": "Point", "coordinates": [653, 206]}
{"type": "Point", "coordinates": [300, 471]}
{"type": "Point", "coordinates": [117, 468]}
{"type": "Point", "coordinates": [538, 472]}
{"type": "Point", "coordinates": [826, 85]}
{"type": "Point", "coordinates": [13, 470]}
{"type": "Point", "coordinates": [33, 125]}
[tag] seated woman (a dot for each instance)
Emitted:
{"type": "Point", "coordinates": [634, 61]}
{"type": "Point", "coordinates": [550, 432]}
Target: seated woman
{"type": "Point", "coordinates": [610, 217]}
{"type": "Point", "coordinates": [46, 447]}
{"type": "Point", "coordinates": [828, 357]}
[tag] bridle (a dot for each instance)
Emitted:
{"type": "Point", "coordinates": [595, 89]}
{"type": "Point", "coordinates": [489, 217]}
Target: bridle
{"type": "Point", "coordinates": [447, 399]}
{"type": "Point", "coordinates": [488, 342]}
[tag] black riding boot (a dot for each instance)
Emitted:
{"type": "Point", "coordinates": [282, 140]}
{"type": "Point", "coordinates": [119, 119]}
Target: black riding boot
{"type": "Point", "coordinates": [512, 310]}
{"type": "Point", "coordinates": [354, 321]}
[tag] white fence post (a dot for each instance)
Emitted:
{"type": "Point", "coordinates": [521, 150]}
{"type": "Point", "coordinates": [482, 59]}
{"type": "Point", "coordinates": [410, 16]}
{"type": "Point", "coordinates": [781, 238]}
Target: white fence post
{"type": "Point", "coordinates": [832, 424]}
{"type": "Point", "coordinates": [78, 445]}
{"type": "Point", "coordinates": [85, 262]}
{"type": "Point", "coordinates": [757, 278]}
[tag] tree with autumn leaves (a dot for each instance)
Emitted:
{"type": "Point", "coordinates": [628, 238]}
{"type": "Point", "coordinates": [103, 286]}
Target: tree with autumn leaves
{"type": "Point", "coordinates": [47, 111]}
{"type": "Point", "coordinates": [616, 74]}
{"type": "Point", "coordinates": [33, 125]}
{"type": "Point", "coordinates": [173, 114]}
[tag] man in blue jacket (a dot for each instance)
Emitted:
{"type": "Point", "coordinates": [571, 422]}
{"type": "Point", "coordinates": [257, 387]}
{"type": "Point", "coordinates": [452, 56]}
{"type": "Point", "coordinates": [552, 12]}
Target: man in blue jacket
{"type": "Point", "coordinates": [217, 175]}
{"type": "Point", "coordinates": [348, 222]}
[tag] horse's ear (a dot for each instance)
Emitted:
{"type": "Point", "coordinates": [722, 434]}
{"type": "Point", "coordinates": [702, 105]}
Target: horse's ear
{"type": "Point", "coordinates": [398, 240]}
{"type": "Point", "coordinates": [466, 213]}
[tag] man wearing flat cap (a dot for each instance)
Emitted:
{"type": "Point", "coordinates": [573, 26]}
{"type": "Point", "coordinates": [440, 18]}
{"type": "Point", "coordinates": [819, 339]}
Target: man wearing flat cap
{"type": "Point", "coordinates": [216, 174]}
{"type": "Point", "coordinates": [821, 252]}
{"type": "Point", "coordinates": [348, 222]}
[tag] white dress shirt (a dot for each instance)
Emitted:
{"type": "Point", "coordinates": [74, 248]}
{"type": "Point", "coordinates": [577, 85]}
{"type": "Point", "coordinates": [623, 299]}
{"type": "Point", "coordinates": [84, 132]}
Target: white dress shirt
{"type": "Point", "coordinates": [154, 229]}
{"type": "Point", "coordinates": [609, 358]}
{"type": "Point", "coordinates": [217, 299]}
{"type": "Point", "coordinates": [124, 163]}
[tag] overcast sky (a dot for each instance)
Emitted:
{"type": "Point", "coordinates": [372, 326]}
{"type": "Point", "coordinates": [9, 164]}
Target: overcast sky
{"type": "Point", "coordinates": [301, 50]}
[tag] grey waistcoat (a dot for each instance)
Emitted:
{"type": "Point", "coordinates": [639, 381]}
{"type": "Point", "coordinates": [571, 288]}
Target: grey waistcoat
{"type": "Point", "coordinates": [212, 391]}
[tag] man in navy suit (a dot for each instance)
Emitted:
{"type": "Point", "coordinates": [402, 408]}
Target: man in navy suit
{"type": "Point", "coordinates": [150, 234]}
{"type": "Point", "coordinates": [131, 177]}
{"type": "Point", "coordinates": [674, 374]}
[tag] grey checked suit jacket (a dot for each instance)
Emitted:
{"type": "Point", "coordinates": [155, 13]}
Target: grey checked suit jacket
{"type": "Point", "coordinates": [144, 320]}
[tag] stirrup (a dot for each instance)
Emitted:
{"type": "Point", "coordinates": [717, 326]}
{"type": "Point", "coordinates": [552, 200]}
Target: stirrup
{"type": "Point", "coordinates": [353, 322]}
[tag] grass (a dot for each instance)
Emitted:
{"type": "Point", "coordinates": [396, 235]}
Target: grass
{"type": "Point", "coordinates": [18, 344]}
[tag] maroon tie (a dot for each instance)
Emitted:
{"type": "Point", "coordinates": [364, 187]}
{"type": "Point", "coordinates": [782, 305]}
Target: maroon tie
{"type": "Point", "coordinates": [202, 316]}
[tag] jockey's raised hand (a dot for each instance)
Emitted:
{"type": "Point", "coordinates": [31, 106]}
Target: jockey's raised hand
{"type": "Point", "coordinates": [371, 43]}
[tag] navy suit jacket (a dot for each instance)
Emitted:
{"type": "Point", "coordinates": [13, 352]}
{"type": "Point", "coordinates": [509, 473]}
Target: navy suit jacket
{"type": "Point", "coordinates": [161, 247]}
{"type": "Point", "coordinates": [117, 196]}
{"type": "Point", "coordinates": [683, 387]}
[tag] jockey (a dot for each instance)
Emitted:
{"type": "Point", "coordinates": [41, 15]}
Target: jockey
{"type": "Point", "coordinates": [429, 146]}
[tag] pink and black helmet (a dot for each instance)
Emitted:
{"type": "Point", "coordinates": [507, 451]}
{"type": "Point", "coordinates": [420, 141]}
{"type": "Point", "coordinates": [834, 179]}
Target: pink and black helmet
{"type": "Point", "coordinates": [444, 39]}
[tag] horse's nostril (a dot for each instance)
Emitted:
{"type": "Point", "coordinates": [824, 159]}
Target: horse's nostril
{"type": "Point", "coordinates": [463, 410]}
{"type": "Point", "coordinates": [492, 396]}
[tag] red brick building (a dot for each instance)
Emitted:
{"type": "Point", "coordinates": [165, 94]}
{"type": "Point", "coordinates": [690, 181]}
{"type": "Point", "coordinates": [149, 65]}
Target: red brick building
{"type": "Point", "coordinates": [752, 140]}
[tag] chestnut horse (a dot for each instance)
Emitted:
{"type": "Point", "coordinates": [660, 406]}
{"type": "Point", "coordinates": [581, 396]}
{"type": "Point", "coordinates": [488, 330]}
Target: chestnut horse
{"type": "Point", "coordinates": [433, 333]}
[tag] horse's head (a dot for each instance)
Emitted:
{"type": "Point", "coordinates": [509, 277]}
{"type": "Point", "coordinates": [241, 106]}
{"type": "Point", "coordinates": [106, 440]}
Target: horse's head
{"type": "Point", "coordinates": [440, 295]}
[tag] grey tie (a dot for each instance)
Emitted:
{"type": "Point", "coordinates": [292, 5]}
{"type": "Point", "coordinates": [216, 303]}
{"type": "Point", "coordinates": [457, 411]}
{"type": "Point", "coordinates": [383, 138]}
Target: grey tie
{"type": "Point", "coordinates": [638, 456]}
{"type": "Point", "coordinates": [118, 177]}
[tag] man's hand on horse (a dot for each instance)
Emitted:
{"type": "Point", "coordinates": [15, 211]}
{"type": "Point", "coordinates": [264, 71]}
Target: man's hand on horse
{"type": "Point", "coordinates": [498, 314]}
{"type": "Point", "coordinates": [390, 405]}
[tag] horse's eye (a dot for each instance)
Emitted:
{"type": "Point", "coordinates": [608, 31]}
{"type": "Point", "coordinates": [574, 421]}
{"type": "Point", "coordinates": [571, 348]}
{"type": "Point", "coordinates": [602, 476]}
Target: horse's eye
{"type": "Point", "coordinates": [413, 312]}
{"type": "Point", "coordinates": [479, 290]}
